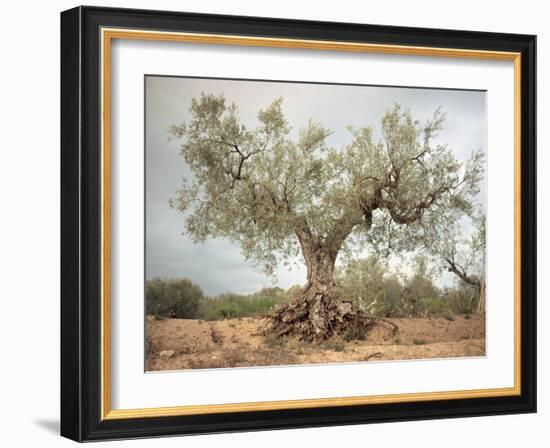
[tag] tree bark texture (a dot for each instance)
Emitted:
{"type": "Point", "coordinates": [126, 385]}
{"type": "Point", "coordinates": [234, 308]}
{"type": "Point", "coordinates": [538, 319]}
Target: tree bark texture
{"type": "Point", "coordinates": [318, 313]}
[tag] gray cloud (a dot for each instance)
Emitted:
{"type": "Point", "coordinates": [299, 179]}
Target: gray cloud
{"type": "Point", "coordinates": [218, 265]}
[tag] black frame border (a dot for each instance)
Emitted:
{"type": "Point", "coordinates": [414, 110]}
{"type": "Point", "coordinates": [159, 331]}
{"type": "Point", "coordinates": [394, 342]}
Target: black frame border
{"type": "Point", "coordinates": [81, 223]}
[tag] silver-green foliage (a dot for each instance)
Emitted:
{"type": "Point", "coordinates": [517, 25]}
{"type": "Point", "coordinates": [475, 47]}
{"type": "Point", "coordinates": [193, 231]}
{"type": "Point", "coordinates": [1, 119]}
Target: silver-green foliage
{"type": "Point", "coordinates": [370, 285]}
{"type": "Point", "coordinates": [275, 195]}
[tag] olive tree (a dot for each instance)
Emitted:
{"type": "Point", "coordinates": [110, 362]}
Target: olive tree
{"type": "Point", "coordinates": [465, 257]}
{"type": "Point", "coordinates": [277, 193]}
{"type": "Point", "coordinates": [419, 287]}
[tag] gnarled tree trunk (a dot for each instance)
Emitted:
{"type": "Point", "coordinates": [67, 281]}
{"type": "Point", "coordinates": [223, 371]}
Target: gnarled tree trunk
{"type": "Point", "coordinates": [318, 313]}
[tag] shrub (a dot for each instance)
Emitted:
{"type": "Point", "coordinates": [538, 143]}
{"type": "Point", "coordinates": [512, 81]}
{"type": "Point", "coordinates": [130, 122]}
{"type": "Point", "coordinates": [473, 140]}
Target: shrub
{"type": "Point", "coordinates": [370, 287]}
{"type": "Point", "coordinates": [230, 305]}
{"type": "Point", "coordinates": [435, 307]}
{"type": "Point", "coordinates": [177, 297]}
{"type": "Point", "coordinates": [449, 316]}
{"type": "Point", "coordinates": [462, 300]}
{"type": "Point", "coordinates": [419, 297]}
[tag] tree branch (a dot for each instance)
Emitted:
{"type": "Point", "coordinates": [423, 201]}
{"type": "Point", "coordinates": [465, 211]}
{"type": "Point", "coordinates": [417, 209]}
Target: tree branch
{"type": "Point", "coordinates": [455, 268]}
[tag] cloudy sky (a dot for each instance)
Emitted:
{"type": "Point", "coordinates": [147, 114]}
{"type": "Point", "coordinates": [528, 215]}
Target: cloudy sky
{"type": "Point", "coordinates": [217, 265]}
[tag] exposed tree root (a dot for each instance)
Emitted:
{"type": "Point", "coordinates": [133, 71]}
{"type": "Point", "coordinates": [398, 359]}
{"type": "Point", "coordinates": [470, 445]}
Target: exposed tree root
{"type": "Point", "coordinates": [373, 355]}
{"type": "Point", "coordinates": [317, 316]}
{"type": "Point", "coordinates": [381, 320]}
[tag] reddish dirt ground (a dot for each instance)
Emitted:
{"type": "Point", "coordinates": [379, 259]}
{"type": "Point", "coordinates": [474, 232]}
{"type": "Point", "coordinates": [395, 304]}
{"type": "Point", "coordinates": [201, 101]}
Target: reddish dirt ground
{"type": "Point", "coordinates": [175, 344]}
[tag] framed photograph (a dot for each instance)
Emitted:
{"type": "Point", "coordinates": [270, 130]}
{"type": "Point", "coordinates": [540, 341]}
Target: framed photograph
{"type": "Point", "coordinates": [271, 223]}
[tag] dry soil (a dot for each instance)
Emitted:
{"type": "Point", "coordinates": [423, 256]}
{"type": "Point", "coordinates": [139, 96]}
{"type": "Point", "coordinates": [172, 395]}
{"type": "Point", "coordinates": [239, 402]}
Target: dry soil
{"type": "Point", "coordinates": [174, 344]}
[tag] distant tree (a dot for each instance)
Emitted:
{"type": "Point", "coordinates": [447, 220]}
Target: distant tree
{"type": "Point", "coordinates": [276, 293]}
{"type": "Point", "coordinates": [419, 287]}
{"type": "Point", "coordinates": [465, 257]}
{"type": "Point", "coordinates": [461, 299]}
{"type": "Point", "coordinates": [178, 298]}
{"type": "Point", "coordinates": [368, 283]}
{"type": "Point", "coordinates": [278, 196]}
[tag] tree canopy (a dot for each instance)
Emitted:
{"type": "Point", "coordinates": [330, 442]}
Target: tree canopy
{"type": "Point", "coordinates": [275, 191]}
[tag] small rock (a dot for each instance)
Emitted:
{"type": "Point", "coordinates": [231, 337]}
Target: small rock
{"type": "Point", "coordinates": [165, 354]}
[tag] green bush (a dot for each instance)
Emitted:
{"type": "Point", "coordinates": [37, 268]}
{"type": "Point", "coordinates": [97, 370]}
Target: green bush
{"type": "Point", "coordinates": [370, 287]}
{"type": "Point", "coordinates": [435, 307]}
{"type": "Point", "coordinates": [177, 297]}
{"type": "Point", "coordinates": [462, 300]}
{"type": "Point", "coordinates": [180, 298]}
{"type": "Point", "coordinates": [230, 305]}
{"type": "Point", "coordinates": [420, 297]}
